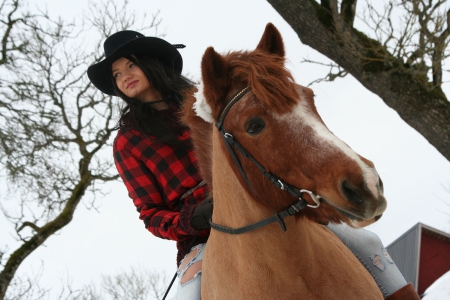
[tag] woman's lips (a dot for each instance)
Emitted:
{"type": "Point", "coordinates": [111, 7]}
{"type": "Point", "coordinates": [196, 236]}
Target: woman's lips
{"type": "Point", "coordinates": [131, 84]}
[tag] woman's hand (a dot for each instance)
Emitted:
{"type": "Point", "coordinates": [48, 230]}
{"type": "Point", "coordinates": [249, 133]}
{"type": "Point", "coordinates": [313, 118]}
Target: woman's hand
{"type": "Point", "coordinates": [201, 215]}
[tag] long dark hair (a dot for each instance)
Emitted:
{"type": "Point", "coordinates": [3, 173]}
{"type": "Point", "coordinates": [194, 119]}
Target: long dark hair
{"type": "Point", "coordinates": [160, 125]}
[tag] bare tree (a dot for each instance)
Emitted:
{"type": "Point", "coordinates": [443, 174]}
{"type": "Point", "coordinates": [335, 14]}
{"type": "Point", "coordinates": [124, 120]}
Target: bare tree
{"type": "Point", "coordinates": [28, 288]}
{"type": "Point", "coordinates": [135, 285]}
{"type": "Point", "coordinates": [402, 62]}
{"type": "Point", "coordinates": [54, 126]}
{"type": "Point", "coordinates": [9, 21]}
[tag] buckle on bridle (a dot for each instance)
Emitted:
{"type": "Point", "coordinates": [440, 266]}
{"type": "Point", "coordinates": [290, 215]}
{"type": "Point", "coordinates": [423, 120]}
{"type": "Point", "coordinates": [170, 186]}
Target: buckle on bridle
{"type": "Point", "coordinates": [295, 208]}
{"type": "Point", "coordinates": [228, 135]}
{"type": "Point", "coordinates": [314, 197]}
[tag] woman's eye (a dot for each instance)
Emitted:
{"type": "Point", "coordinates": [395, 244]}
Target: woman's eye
{"type": "Point", "coordinates": [116, 75]}
{"type": "Point", "coordinates": [255, 127]}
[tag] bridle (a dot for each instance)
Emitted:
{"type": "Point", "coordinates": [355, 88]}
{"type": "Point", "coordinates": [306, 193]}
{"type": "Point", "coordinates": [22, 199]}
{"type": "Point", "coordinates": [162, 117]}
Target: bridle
{"type": "Point", "coordinates": [230, 141]}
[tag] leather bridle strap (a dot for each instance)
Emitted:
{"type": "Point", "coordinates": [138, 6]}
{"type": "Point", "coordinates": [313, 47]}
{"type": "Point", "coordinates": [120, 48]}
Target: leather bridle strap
{"type": "Point", "coordinates": [219, 124]}
{"type": "Point", "coordinates": [276, 181]}
{"type": "Point", "coordinates": [277, 217]}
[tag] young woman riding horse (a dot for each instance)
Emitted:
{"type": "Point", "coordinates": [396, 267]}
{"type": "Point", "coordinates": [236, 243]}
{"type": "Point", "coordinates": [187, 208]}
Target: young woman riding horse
{"type": "Point", "coordinates": [154, 156]}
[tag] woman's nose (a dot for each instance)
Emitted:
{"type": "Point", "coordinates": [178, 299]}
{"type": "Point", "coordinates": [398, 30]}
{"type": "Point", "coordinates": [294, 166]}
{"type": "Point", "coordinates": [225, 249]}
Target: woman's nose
{"type": "Point", "coordinates": [126, 76]}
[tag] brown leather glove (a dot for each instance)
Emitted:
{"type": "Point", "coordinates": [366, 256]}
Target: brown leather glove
{"type": "Point", "coordinates": [201, 215]}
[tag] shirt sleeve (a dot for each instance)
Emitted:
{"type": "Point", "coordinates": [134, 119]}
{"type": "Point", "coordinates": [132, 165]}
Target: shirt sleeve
{"type": "Point", "coordinates": [157, 197]}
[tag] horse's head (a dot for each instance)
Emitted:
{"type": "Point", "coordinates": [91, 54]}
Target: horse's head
{"type": "Point", "coordinates": [278, 124]}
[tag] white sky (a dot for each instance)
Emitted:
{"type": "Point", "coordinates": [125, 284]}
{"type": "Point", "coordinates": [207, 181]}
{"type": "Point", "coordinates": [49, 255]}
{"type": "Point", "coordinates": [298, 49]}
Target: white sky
{"type": "Point", "coordinates": [114, 240]}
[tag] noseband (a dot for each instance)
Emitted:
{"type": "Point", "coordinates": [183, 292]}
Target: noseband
{"type": "Point", "coordinates": [230, 141]}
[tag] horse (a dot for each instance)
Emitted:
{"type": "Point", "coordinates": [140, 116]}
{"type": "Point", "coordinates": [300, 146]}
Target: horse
{"type": "Point", "coordinates": [277, 175]}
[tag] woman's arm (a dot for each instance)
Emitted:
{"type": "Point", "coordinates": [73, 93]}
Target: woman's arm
{"type": "Point", "coordinates": [156, 179]}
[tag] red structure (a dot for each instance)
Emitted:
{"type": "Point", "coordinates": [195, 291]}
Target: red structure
{"type": "Point", "coordinates": [434, 257]}
{"type": "Point", "coordinates": [422, 254]}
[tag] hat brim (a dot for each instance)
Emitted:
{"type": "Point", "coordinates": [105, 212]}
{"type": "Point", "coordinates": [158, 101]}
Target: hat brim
{"type": "Point", "coordinates": [100, 73]}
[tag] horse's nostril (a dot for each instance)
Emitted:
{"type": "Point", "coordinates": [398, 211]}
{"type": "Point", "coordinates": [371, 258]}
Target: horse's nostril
{"type": "Point", "coordinates": [381, 185]}
{"type": "Point", "coordinates": [351, 194]}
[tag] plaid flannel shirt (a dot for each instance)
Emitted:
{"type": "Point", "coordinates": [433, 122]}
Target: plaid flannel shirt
{"type": "Point", "coordinates": [157, 175]}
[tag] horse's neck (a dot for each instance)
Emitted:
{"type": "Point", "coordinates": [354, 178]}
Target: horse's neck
{"type": "Point", "coordinates": [293, 263]}
{"type": "Point", "coordinates": [233, 206]}
{"type": "Point", "coordinates": [294, 249]}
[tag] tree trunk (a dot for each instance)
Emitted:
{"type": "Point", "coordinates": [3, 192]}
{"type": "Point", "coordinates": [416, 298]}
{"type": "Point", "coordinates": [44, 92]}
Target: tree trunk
{"type": "Point", "coordinates": [419, 103]}
{"type": "Point", "coordinates": [41, 235]}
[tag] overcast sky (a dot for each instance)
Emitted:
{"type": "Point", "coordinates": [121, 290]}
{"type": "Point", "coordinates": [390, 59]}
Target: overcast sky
{"type": "Point", "coordinates": [415, 175]}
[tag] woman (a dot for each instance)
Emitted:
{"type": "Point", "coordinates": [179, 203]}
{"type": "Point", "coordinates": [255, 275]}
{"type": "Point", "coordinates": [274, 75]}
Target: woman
{"type": "Point", "coordinates": [152, 151]}
{"type": "Point", "coordinates": [154, 157]}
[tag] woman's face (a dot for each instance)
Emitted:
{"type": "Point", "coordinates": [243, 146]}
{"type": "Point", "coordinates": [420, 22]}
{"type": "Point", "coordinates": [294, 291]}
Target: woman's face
{"type": "Point", "coordinates": [132, 81]}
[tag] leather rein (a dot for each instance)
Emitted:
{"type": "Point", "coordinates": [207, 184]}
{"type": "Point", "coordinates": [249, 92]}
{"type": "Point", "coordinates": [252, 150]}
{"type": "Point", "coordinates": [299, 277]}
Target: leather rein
{"type": "Point", "coordinates": [230, 142]}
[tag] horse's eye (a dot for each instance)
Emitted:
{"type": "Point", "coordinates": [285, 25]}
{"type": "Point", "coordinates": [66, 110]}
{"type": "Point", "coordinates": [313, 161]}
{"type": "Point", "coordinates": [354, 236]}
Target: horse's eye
{"type": "Point", "coordinates": [255, 126]}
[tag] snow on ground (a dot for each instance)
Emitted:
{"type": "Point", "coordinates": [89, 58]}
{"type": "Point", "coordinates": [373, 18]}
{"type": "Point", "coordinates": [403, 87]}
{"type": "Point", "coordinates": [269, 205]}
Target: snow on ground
{"type": "Point", "coordinates": [440, 289]}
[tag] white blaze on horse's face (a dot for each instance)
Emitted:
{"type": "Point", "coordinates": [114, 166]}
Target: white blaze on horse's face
{"type": "Point", "coordinates": [303, 116]}
{"type": "Point", "coordinates": [303, 113]}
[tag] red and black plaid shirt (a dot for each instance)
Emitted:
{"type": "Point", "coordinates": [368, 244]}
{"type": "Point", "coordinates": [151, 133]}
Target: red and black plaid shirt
{"type": "Point", "coordinates": [157, 175]}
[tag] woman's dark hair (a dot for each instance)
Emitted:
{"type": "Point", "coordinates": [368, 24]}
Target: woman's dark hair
{"type": "Point", "coordinates": [160, 125]}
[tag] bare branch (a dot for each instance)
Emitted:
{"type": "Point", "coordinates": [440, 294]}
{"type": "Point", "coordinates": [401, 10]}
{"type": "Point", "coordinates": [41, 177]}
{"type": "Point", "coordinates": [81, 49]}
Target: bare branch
{"type": "Point", "coordinates": [29, 224]}
{"type": "Point", "coordinates": [54, 125]}
{"type": "Point", "coordinates": [348, 10]}
{"type": "Point", "coordinates": [8, 44]}
{"type": "Point", "coordinates": [136, 284]}
{"type": "Point", "coordinates": [399, 58]}
{"type": "Point", "coordinates": [331, 76]}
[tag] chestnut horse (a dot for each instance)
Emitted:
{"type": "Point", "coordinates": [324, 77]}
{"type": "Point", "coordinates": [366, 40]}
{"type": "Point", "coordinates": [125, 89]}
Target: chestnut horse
{"type": "Point", "coordinates": [269, 128]}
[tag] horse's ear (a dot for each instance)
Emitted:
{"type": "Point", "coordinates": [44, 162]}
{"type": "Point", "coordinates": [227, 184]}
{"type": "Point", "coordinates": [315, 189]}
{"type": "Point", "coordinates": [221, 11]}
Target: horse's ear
{"type": "Point", "coordinates": [215, 78]}
{"type": "Point", "coordinates": [271, 41]}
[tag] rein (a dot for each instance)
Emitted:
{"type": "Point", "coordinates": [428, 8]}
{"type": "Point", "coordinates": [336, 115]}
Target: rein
{"type": "Point", "coordinates": [230, 141]}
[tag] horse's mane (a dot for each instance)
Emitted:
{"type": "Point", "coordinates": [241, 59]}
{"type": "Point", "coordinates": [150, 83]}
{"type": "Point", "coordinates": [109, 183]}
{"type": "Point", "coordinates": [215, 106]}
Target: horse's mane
{"type": "Point", "coordinates": [270, 81]}
{"type": "Point", "coordinates": [201, 135]}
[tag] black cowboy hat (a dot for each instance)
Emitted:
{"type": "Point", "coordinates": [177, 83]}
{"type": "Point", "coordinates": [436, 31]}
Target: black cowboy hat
{"type": "Point", "coordinates": [129, 42]}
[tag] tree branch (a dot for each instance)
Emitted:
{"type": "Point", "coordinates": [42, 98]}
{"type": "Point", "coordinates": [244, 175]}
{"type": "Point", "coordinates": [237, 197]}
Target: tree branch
{"type": "Point", "coordinates": [10, 23]}
{"type": "Point", "coordinates": [419, 103]}
{"type": "Point", "coordinates": [29, 224]}
{"type": "Point", "coordinates": [54, 124]}
{"type": "Point", "coordinates": [17, 257]}
{"type": "Point", "coordinates": [348, 10]}
{"type": "Point", "coordinates": [331, 76]}
{"type": "Point", "coordinates": [440, 43]}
